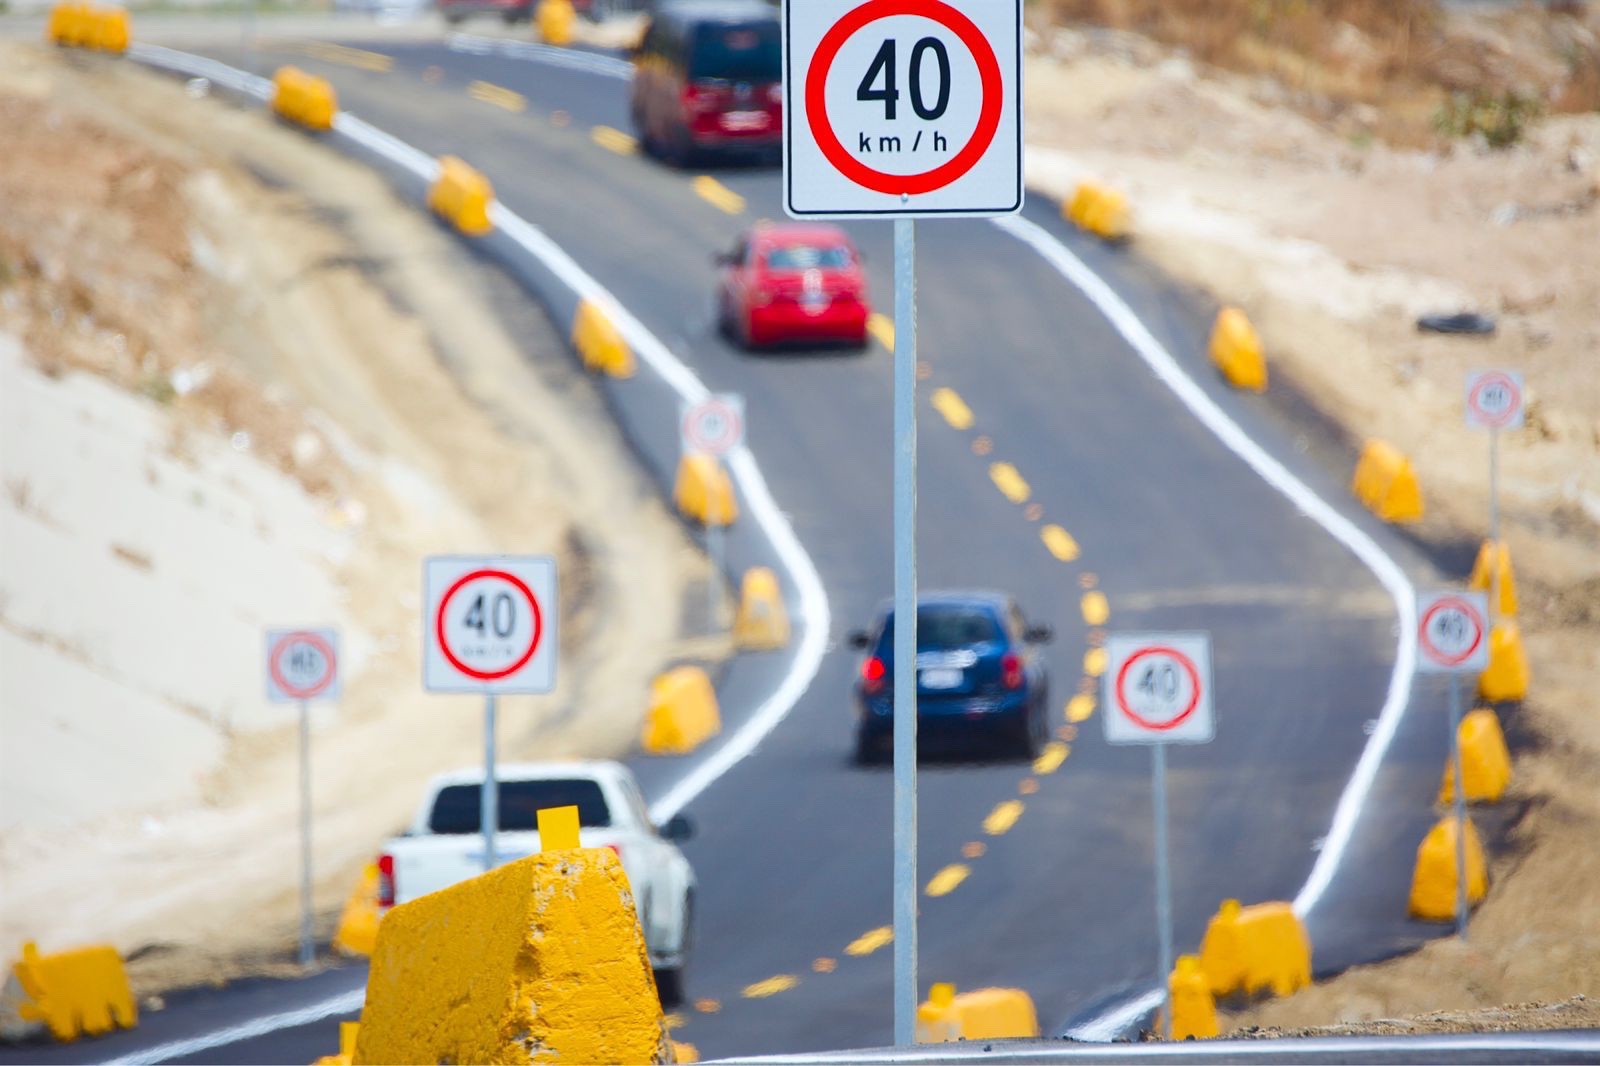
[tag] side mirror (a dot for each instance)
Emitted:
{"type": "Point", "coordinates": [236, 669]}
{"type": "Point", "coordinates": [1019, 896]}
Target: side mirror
{"type": "Point", "coordinates": [1041, 633]}
{"type": "Point", "coordinates": [678, 829]}
{"type": "Point", "coordinates": [859, 640]}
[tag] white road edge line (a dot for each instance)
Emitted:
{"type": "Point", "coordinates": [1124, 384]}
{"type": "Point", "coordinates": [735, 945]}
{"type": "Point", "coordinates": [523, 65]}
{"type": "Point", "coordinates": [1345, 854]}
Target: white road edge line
{"type": "Point", "coordinates": [1346, 532]}
{"type": "Point", "coordinates": [343, 1003]}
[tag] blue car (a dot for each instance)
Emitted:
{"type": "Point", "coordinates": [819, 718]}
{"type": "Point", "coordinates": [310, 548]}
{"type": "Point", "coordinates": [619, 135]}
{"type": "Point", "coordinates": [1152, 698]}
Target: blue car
{"type": "Point", "coordinates": [978, 673]}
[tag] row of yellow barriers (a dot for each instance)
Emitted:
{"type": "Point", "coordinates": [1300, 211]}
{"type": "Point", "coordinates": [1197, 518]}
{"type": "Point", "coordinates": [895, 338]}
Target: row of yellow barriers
{"type": "Point", "coordinates": [103, 29]}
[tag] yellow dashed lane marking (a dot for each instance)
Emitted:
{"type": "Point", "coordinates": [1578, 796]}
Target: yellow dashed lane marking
{"type": "Point", "coordinates": [350, 57]}
{"type": "Point", "coordinates": [1060, 543]}
{"type": "Point", "coordinates": [718, 195]}
{"type": "Point", "coordinates": [945, 881]}
{"type": "Point", "coordinates": [707, 1006]}
{"type": "Point", "coordinates": [1050, 759]}
{"type": "Point", "coordinates": [672, 1021]}
{"type": "Point", "coordinates": [771, 986]}
{"type": "Point", "coordinates": [824, 965]}
{"type": "Point", "coordinates": [499, 96]}
{"type": "Point", "coordinates": [882, 329]}
{"type": "Point", "coordinates": [1095, 608]}
{"type": "Point", "coordinates": [1009, 482]}
{"type": "Point", "coordinates": [1080, 708]}
{"type": "Point", "coordinates": [955, 410]}
{"type": "Point", "coordinates": [1003, 817]}
{"type": "Point", "coordinates": [613, 140]}
{"type": "Point", "coordinates": [1094, 662]}
{"type": "Point", "coordinates": [973, 849]}
{"type": "Point", "coordinates": [870, 941]}
{"type": "Point", "coordinates": [1028, 786]}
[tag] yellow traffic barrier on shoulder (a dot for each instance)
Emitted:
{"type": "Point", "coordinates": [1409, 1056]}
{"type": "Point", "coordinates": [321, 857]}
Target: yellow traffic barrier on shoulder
{"type": "Point", "coordinates": [1507, 675]}
{"type": "Point", "coordinates": [683, 712]}
{"type": "Point", "coordinates": [1485, 760]}
{"type": "Point", "coordinates": [1236, 349]}
{"type": "Point", "coordinates": [704, 492]}
{"type": "Point", "coordinates": [600, 344]}
{"type": "Point", "coordinates": [1263, 947]}
{"type": "Point", "coordinates": [1385, 481]}
{"type": "Point", "coordinates": [347, 1046]}
{"type": "Point", "coordinates": [304, 98]}
{"type": "Point", "coordinates": [1493, 566]}
{"type": "Point", "coordinates": [105, 29]}
{"type": "Point", "coordinates": [555, 19]}
{"type": "Point", "coordinates": [358, 923]}
{"type": "Point", "coordinates": [540, 960]}
{"type": "Point", "coordinates": [1194, 1010]}
{"type": "Point", "coordinates": [63, 26]}
{"type": "Point", "coordinates": [684, 1054]}
{"type": "Point", "coordinates": [461, 196]}
{"type": "Point", "coordinates": [1099, 210]}
{"type": "Point", "coordinates": [110, 30]}
{"type": "Point", "coordinates": [762, 622]}
{"type": "Point", "coordinates": [984, 1014]}
{"type": "Point", "coordinates": [84, 990]}
{"type": "Point", "coordinates": [1433, 883]}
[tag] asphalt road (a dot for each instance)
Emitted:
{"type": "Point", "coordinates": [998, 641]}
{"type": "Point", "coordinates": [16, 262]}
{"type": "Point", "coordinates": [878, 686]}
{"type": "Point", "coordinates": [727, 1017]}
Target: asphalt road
{"type": "Point", "coordinates": [793, 851]}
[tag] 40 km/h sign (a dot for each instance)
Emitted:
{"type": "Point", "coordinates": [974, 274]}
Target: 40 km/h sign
{"type": "Point", "coordinates": [712, 426]}
{"type": "Point", "coordinates": [1452, 632]}
{"type": "Point", "coordinates": [302, 664]}
{"type": "Point", "coordinates": [906, 108]}
{"type": "Point", "coordinates": [1158, 688]}
{"type": "Point", "coordinates": [1494, 399]}
{"type": "Point", "coordinates": [489, 623]}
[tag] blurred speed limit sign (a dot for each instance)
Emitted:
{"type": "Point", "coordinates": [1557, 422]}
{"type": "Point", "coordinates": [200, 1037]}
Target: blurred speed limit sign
{"type": "Point", "coordinates": [1494, 399]}
{"type": "Point", "coordinates": [712, 426]}
{"type": "Point", "coordinates": [1452, 632]}
{"type": "Point", "coordinates": [489, 623]}
{"type": "Point", "coordinates": [1158, 688]}
{"type": "Point", "coordinates": [302, 664]}
{"type": "Point", "coordinates": [902, 107]}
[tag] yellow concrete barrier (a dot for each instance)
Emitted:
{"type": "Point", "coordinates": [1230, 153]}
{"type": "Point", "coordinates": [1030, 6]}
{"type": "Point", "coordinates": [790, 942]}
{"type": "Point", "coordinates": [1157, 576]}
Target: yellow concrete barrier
{"type": "Point", "coordinates": [1494, 557]}
{"type": "Point", "coordinates": [683, 712]}
{"type": "Point", "coordinates": [1258, 948]}
{"type": "Point", "coordinates": [106, 29]}
{"type": "Point", "coordinates": [347, 1046]}
{"type": "Point", "coordinates": [1485, 760]}
{"type": "Point", "coordinates": [84, 990]}
{"type": "Point", "coordinates": [540, 960]}
{"type": "Point", "coordinates": [1194, 1010]}
{"type": "Point", "coordinates": [64, 24]}
{"type": "Point", "coordinates": [555, 19]}
{"type": "Point", "coordinates": [704, 492]}
{"type": "Point", "coordinates": [110, 30]}
{"type": "Point", "coordinates": [1236, 349]}
{"type": "Point", "coordinates": [1507, 676]}
{"type": "Point", "coordinates": [1433, 883]}
{"type": "Point", "coordinates": [304, 98]}
{"type": "Point", "coordinates": [984, 1014]}
{"type": "Point", "coordinates": [461, 195]}
{"type": "Point", "coordinates": [1386, 483]}
{"type": "Point", "coordinates": [684, 1053]}
{"type": "Point", "coordinates": [358, 923]}
{"type": "Point", "coordinates": [600, 344]}
{"type": "Point", "coordinates": [1100, 210]}
{"type": "Point", "coordinates": [762, 622]}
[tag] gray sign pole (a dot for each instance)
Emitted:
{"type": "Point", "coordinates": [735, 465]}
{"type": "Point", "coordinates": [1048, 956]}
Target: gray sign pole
{"type": "Point", "coordinates": [1158, 793]}
{"type": "Point", "coordinates": [1494, 523]}
{"type": "Point", "coordinates": [1460, 804]}
{"type": "Point", "coordinates": [489, 809]}
{"type": "Point", "coordinates": [905, 631]}
{"type": "Point", "coordinates": [714, 554]}
{"type": "Point", "coordinates": [307, 948]}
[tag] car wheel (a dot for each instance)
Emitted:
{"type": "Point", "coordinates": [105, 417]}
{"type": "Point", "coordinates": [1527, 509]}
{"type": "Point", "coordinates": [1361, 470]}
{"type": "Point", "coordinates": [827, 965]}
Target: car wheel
{"type": "Point", "coordinates": [868, 751]}
{"type": "Point", "coordinates": [1035, 733]}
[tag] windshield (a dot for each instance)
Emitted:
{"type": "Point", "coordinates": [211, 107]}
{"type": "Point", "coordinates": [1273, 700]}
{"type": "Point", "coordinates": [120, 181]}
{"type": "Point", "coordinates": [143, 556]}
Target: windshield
{"type": "Point", "coordinates": [945, 628]}
{"type": "Point", "coordinates": [457, 806]}
{"type": "Point", "coordinates": [736, 52]}
{"type": "Point", "coordinates": [809, 257]}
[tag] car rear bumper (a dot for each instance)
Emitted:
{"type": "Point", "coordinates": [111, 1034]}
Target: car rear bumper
{"type": "Point", "coordinates": [942, 717]}
{"type": "Point", "coordinates": [785, 322]}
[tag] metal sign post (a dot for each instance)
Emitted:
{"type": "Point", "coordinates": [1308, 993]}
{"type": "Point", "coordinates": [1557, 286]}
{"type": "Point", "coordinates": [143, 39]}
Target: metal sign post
{"type": "Point", "coordinates": [905, 631]}
{"type": "Point", "coordinates": [712, 426]}
{"type": "Point", "coordinates": [1495, 401]}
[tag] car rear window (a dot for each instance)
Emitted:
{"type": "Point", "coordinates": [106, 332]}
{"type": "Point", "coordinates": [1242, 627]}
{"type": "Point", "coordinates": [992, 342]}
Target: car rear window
{"type": "Point", "coordinates": [742, 51]}
{"type": "Point", "coordinates": [944, 628]}
{"type": "Point", "coordinates": [809, 257]}
{"type": "Point", "coordinates": [456, 808]}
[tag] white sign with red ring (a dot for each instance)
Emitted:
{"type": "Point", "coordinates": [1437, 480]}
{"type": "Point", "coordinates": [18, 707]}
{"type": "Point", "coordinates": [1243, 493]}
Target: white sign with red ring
{"type": "Point", "coordinates": [1495, 399]}
{"type": "Point", "coordinates": [302, 664]}
{"type": "Point", "coordinates": [1452, 632]}
{"type": "Point", "coordinates": [713, 426]}
{"type": "Point", "coordinates": [489, 623]}
{"type": "Point", "coordinates": [1158, 688]}
{"type": "Point", "coordinates": [909, 108]}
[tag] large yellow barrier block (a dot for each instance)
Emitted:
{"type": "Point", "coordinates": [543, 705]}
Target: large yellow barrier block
{"type": "Point", "coordinates": [68, 24]}
{"type": "Point", "coordinates": [1433, 883]}
{"type": "Point", "coordinates": [1236, 349]}
{"type": "Point", "coordinates": [1386, 483]}
{"type": "Point", "coordinates": [1098, 209]}
{"type": "Point", "coordinates": [600, 344]}
{"type": "Point", "coordinates": [683, 712]}
{"type": "Point", "coordinates": [984, 1014]}
{"type": "Point", "coordinates": [110, 31]}
{"type": "Point", "coordinates": [358, 923]}
{"type": "Point", "coordinates": [1194, 1010]}
{"type": "Point", "coordinates": [1254, 949]}
{"type": "Point", "coordinates": [304, 98]}
{"type": "Point", "coordinates": [1507, 676]}
{"type": "Point", "coordinates": [1494, 557]}
{"type": "Point", "coordinates": [461, 196]}
{"type": "Point", "coordinates": [555, 19]}
{"type": "Point", "coordinates": [106, 29]}
{"type": "Point", "coordinates": [762, 623]}
{"type": "Point", "coordinates": [1485, 760]}
{"type": "Point", "coordinates": [541, 960]}
{"type": "Point", "coordinates": [75, 992]}
{"type": "Point", "coordinates": [704, 492]}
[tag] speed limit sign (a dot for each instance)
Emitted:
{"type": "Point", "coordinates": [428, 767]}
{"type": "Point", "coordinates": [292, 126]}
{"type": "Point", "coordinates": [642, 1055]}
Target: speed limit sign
{"type": "Point", "coordinates": [907, 108]}
{"type": "Point", "coordinates": [1158, 688]}
{"type": "Point", "coordinates": [489, 623]}
{"type": "Point", "coordinates": [302, 664]}
{"type": "Point", "coordinates": [712, 426]}
{"type": "Point", "coordinates": [1452, 632]}
{"type": "Point", "coordinates": [1494, 399]}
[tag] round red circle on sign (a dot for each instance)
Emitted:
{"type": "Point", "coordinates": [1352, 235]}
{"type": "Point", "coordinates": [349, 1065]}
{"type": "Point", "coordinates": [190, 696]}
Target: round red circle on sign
{"type": "Point", "coordinates": [695, 426]}
{"type": "Point", "coordinates": [1438, 654]}
{"type": "Point", "coordinates": [522, 659]}
{"type": "Point", "coordinates": [988, 113]}
{"type": "Point", "coordinates": [1475, 398]}
{"type": "Point", "coordinates": [290, 689]}
{"type": "Point", "coordinates": [1188, 668]}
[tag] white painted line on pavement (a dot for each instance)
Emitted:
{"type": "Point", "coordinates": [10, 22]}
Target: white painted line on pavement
{"type": "Point", "coordinates": [588, 62]}
{"type": "Point", "coordinates": [345, 1003]}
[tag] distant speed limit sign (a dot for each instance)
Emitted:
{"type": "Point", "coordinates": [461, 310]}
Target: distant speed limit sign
{"type": "Point", "coordinates": [1158, 688]}
{"type": "Point", "coordinates": [902, 107]}
{"type": "Point", "coordinates": [1452, 632]}
{"type": "Point", "coordinates": [714, 425]}
{"type": "Point", "coordinates": [302, 664]}
{"type": "Point", "coordinates": [1494, 399]}
{"type": "Point", "coordinates": [489, 623]}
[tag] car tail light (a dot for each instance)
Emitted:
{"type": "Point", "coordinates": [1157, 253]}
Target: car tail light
{"type": "Point", "coordinates": [386, 880]}
{"type": "Point", "coordinates": [775, 94]}
{"type": "Point", "coordinates": [615, 851]}
{"type": "Point", "coordinates": [872, 672]}
{"type": "Point", "coordinates": [700, 98]}
{"type": "Point", "coordinates": [1011, 670]}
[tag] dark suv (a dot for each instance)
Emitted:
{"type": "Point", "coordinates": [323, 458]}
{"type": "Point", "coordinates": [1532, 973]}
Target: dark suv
{"type": "Point", "coordinates": [708, 80]}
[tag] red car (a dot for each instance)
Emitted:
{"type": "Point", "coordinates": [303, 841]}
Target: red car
{"type": "Point", "coordinates": [796, 282]}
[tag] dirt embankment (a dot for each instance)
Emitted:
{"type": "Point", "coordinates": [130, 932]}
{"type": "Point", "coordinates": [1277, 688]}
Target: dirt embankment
{"type": "Point", "coordinates": [1304, 179]}
{"type": "Point", "coordinates": [269, 388]}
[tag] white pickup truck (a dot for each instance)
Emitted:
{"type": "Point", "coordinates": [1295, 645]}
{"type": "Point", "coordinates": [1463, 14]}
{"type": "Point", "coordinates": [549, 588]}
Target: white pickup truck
{"type": "Point", "coordinates": [444, 844]}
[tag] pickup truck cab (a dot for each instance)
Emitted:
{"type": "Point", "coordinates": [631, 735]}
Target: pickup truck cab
{"type": "Point", "coordinates": [444, 844]}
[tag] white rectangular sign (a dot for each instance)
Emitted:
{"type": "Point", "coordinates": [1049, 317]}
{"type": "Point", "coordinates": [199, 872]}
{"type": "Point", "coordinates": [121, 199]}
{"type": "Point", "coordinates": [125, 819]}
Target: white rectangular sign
{"type": "Point", "coordinates": [1158, 688]}
{"type": "Point", "coordinates": [1452, 632]}
{"type": "Point", "coordinates": [1495, 399]}
{"type": "Point", "coordinates": [909, 108]}
{"type": "Point", "coordinates": [302, 664]}
{"type": "Point", "coordinates": [489, 623]}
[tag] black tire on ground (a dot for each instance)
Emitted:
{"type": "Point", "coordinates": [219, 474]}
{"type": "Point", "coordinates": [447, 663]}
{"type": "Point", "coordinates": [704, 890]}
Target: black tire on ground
{"type": "Point", "coordinates": [1034, 733]}
{"type": "Point", "coordinates": [867, 752]}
